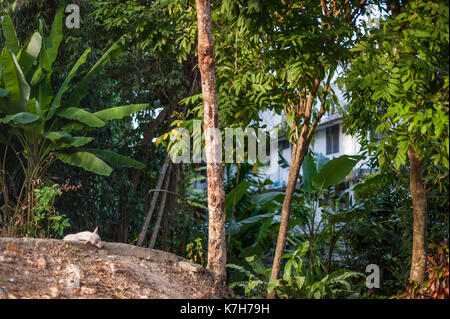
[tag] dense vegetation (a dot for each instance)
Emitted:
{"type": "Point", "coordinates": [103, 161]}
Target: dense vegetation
{"type": "Point", "coordinates": [87, 118]}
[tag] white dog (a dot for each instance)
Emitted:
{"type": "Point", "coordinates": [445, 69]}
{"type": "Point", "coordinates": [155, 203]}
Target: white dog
{"type": "Point", "coordinates": [86, 237]}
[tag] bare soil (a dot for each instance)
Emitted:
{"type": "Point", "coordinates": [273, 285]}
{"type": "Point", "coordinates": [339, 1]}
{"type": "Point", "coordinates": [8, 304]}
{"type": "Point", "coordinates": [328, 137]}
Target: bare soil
{"type": "Point", "coordinates": [66, 271]}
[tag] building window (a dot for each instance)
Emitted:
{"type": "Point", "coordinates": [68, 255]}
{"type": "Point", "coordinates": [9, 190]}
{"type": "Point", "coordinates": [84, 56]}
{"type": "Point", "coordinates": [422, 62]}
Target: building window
{"type": "Point", "coordinates": [332, 134]}
{"type": "Point", "coordinates": [284, 144]}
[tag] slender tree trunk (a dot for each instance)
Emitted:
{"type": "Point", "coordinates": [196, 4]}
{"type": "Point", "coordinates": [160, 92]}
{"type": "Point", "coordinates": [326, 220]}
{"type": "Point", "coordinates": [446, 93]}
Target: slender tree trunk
{"type": "Point", "coordinates": [299, 150]}
{"type": "Point", "coordinates": [419, 200]}
{"type": "Point", "coordinates": [171, 206]}
{"type": "Point", "coordinates": [294, 170]}
{"type": "Point", "coordinates": [149, 133]}
{"type": "Point", "coordinates": [162, 205]}
{"type": "Point", "coordinates": [234, 201]}
{"type": "Point", "coordinates": [153, 203]}
{"type": "Point", "coordinates": [216, 193]}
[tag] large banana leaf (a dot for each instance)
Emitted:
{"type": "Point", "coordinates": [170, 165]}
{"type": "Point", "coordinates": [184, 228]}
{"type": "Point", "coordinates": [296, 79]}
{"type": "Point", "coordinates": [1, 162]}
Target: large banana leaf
{"type": "Point", "coordinates": [117, 159]}
{"type": "Point", "coordinates": [368, 183]}
{"type": "Point", "coordinates": [15, 83]}
{"type": "Point", "coordinates": [20, 118]}
{"type": "Point", "coordinates": [3, 92]}
{"type": "Point", "coordinates": [320, 160]}
{"type": "Point", "coordinates": [248, 222]}
{"type": "Point", "coordinates": [56, 135]}
{"type": "Point", "coordinates": [57, 100]}
{"type": "Point", "coordinates": [85, 160]}
{"type": "Point", "coordinates": [11, 41]}
{"type": "Point", "coordinates": [62, 139]}
{"type": "Point", "coordinates": [78, 141]}
{"type": "Point", "coordinates": [56, 34]}
{"type": "Point", "coordinates": [312, 165]}
{"type": "Point", "coordinates": [235, 195]}
{"type": "Point", "coordinates": [41, 82]}
{"type": "Point", "coordinates": [85, 117]}
{"type": "Point", "coordinates": [30, 52]}
{"type": "Point", "coordinates": [81, 88]}
{"type": "Point", "coordinates": [264, 198]}
{"type": "Point", "coordinates": [119, 112]}
{"type": "Point", "coordinates": [44, 59]}
{"type": "Point", "coordinates": [334, 172]}
{"type": "Point", "coordinates": [43, 92]}
{"type": "Point", "coordinates": [309, 171]}
{"type": "Point", "coordinates": [34, 130]}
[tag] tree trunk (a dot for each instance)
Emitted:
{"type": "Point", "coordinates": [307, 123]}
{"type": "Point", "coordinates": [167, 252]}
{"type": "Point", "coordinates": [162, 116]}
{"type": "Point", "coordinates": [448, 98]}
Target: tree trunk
{"type": "Point", "coordinates": [162, 205]}
{"type": "Point", "coordinates": [234, 201]}
{"type": "Point", "coordinates": [171, 206]}
{"type": "Point", "coordinates": [216, 192]}
{"type": "Point", "coordinates": [299, 150]}
{"type": "Point", "coordinates": [294, 170]}
{"type": "Point", "coordinates": [149, 133]}
{"type": "Point", "coordinates": [153, 203]}
{"type": "Point", "coordinates": [419, 200]}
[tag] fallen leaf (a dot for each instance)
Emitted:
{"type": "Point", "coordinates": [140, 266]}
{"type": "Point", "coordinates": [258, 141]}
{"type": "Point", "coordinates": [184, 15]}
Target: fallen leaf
{"type": "Point", "coordinates": [119, 295]}
{"type": "Point", "coordinates": [41, 263]}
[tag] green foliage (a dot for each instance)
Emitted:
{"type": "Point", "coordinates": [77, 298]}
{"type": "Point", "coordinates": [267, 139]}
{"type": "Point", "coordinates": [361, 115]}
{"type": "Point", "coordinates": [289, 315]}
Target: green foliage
{"type": "Point", "coordinates": [437, 268]}
{"type": "Point", "coordinates": [380, 230]}
{"type": "Point", "coordinates": [397, 84]}
{"type": "Point", "coordinates": [26, 103]}
{"type": "Point", "coordinates": [297, 281]}
{"type": "Point", "coordinates": [268, 55]}
{"type": "Point", "coordinates": [195, 252]}
{"type": "Point", "coordinates": [43, 123]}
{"type": "Point", "coordinates": [333, 172]}
{"type": "Point", "coordinates": [397, 88]}
{"type": "Point", "coordinates": [47, 222]}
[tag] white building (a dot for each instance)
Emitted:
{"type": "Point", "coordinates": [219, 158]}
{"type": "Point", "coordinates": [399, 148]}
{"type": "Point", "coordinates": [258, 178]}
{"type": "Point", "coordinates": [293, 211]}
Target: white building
{"type": "Point", "coordinates": [329, 139]}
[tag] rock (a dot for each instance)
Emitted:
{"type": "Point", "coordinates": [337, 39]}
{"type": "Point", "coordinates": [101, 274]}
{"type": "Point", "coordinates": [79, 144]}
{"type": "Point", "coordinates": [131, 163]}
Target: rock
{"type": "Point", "coordinates": [74, 275]}
{"type": "Point", "coordinates": [88, 291]}
{"type": "Point", "coordinates": [113, 267]}
{"type": "Point", "coordinates": [189, 267]}
{"type": "Point", "coordinates": [54, 292]}
{"type": "Point", "coordinates": [5, 260]}
{"type": "Point", "coordinates": [41, 263]}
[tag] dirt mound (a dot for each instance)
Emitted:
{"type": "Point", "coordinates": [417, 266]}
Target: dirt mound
{"type": "Point", "coordinates": [38, 268]}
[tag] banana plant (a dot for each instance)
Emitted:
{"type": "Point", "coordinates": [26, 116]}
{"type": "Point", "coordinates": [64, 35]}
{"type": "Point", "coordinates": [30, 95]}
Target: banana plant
{"type": "Point", "coordinates": [320, 175]}
{"type": "Point", "coordinates": [298, 281]}
{"type": "Point", "coordinates": [43, 121]}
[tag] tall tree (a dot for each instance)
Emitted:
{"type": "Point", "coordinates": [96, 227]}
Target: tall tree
{"type": "Point", "coordinates": [322, 33]}
{"type": "Point", "coordinates": [213, 145]}
{"type": "Point", "coordinates": [398, 84]}
{"type": "Point", "coordinates": [282, 56]}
